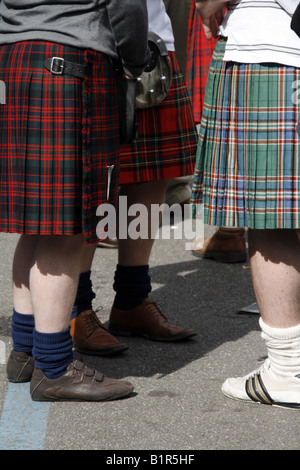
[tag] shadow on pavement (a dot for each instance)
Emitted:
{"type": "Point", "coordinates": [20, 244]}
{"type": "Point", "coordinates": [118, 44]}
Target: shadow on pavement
{"type": "Point", "coordinates": [204, 295]}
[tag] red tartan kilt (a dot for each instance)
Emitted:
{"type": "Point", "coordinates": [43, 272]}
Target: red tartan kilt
{"type": "Point", "coordinates": [167, 142]}
{"type": "Point", "coordinates": [58, 136]}
{"type": "Point", "coordinates": [199, 54]}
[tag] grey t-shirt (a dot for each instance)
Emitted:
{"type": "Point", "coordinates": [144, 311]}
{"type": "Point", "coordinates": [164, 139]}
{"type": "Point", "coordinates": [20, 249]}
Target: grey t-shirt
{"type": "Point", "coordinates": [107, 26]}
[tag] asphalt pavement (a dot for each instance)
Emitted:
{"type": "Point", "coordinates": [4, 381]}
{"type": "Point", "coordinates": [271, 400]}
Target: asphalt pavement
{"type": "Point", "coordinates": [177, 405]}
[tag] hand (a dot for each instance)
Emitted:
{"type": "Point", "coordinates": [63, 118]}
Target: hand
{"type": "Point", "coordinates": [211, 12]}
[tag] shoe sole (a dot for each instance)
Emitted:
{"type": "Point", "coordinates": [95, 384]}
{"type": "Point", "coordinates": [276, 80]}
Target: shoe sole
{"type": "Point", "coordinates": [222, 257]}
{"type": "Point", "coordinates": [292, 406]}
{"type": "Point", "coordinates": [115, 397]}
{"type": "Point", "coordinates": [19, 381]}
{"type": "Point", "coordinates": [127, 332]}
{"type": "Point", "coordinates": [111, 352]}
{"type": "Point", "coordinates": [252, 398]}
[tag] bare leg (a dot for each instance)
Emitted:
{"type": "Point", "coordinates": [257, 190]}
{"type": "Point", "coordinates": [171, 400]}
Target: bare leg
{"type": "Point", "coordinates": [33, 251]}
{"type": "Point", "coordinates": [137, 252]}
{"type": "Point", "coordinates": [132, 253]}
{"type": "Point", "coordinates": [88, 333]}
{"type": "Point", "coordinates": [275, 265]}
{"type": "Point", "coordinates": [54, 264]}
{"type": "Point", "coordinates": [87, 257]}
{"type": "Point", "coordinates": [132, 284]}
{"type": "Point", "coordinates": [133, 312]}
{"type": "Point", "coordinates": [54, 279]}
{"type": "Point", "coordinates": [22, 264]}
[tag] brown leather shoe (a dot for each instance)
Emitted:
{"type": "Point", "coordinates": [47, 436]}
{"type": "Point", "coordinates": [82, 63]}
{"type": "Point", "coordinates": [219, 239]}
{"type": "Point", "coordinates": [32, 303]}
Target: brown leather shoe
{"type": "Point", "coordinates": [148, 321]}
{"type": "Point", "coordinates": [91, 337]}
{"type": "Point", "coordinates": [226, 245]}
{"type": "Point", "coordinates": [79, 383]}
{"type": "Point", "coordinates": [19, 367]}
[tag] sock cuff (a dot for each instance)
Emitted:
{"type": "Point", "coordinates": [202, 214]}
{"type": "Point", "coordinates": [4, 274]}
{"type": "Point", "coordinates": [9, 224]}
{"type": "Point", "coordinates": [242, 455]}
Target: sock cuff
{"type": "Point", "coordinates": [22, 326]}
{"type": "Point", "coordinates": [132, 285]}
{"type": "Point", "coordinates": [53, 352]}
{"type": "Point", "coordinates": [280, 333]}
{"type": "Point", "coordinates": [139, 268]}
{"type": "Point", "coordinates": [84, 294]}
{"type": "Point", "coordinates": [50, 340]}
{"type": "Point", "coordinates": [22, 319]}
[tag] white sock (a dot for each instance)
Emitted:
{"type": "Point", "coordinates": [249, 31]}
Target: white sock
{"type": "Point", "coordinates": [283, 349]}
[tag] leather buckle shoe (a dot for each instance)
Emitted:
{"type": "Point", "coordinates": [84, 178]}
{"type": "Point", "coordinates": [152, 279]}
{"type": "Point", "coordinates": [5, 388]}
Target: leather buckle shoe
{"type": "Point", "coordinates": [78, 383]}
{"type": "Point", "coordinates": [19, 367]}
{"type": "Point", "coordinates": [91, 337]}
{"type": "Point", "coordinates": [148, 321]}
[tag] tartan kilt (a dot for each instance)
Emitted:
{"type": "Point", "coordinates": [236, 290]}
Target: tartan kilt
{"type": "Point", "coordinates": [167, 142]}
{"type": "Point", "coordinates": [199, 54]}
{"type": "Point", "coordinates": [247, 171]}
{"type": "Point", "coordinates": [59, 135]}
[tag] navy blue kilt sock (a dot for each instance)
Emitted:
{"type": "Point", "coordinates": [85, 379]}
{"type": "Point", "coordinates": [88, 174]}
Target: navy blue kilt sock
{"type": "Point", "coordinates": [132, 285]}
{"type": "Point", "coordinates": [22, 327]}
{"type": "Point", "coordinates": [53, 352]}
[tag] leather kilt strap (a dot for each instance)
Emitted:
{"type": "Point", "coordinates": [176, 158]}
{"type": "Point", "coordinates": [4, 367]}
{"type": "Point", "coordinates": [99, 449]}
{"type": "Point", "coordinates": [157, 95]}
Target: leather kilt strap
{"type": "Point", "coordinates": [60, 66]}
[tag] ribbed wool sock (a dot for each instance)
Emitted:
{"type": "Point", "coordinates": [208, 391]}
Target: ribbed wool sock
{"type": "Point", "coordinates": [132, 285]}
{"type": "Point", "coordinates": [84, 296]}
{"type": "Point", "coordinates": [22, 327]}
{"type": "Point", "coordinates": [53, 352]}
{"type": "Point", "coordinates": [283, 349]}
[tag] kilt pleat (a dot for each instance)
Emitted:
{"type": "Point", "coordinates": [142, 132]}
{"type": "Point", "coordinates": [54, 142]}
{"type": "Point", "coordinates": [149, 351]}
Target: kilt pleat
{"type": "Point", "coordinates": [247, 170]}
{"type": "Point", "coordinates": [58, 136]}
{"type": "Point", "coordinates": [199, 53]}
{"type": "Point", "coordinates": [167, 143]}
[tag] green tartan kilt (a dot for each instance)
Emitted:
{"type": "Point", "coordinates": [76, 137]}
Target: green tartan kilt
{"type": "Point", "coordinates": [247, 171]}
